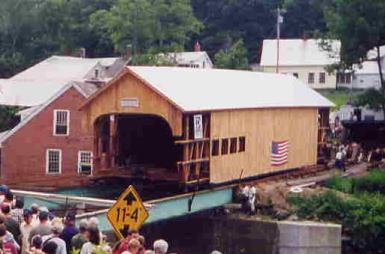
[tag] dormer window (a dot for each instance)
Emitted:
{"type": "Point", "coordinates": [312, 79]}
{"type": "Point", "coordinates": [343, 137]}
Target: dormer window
{"type": "Point", "coordinates": [61, 122]}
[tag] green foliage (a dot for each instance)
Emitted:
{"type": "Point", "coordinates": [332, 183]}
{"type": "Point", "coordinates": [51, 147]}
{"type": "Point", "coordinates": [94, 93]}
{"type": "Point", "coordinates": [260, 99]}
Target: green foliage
{"type": "Point", "coordinates": [146, 23]}
{"type": "Point", "coordinates": [373, 182]}
{"type": "Point", "coordinates": [340, 184]}
{"type": "Point", "coordinates": [372, 98]}
{"type": "Point", "coordinates": [235, 58]}
{"type": "Point", "coordinates": [8, 118]}
{"type": "Point", "coordinates": [340, 96]}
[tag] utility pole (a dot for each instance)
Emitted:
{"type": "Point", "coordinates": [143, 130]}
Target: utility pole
{"type": "Point", "coordinates": [279, 22]}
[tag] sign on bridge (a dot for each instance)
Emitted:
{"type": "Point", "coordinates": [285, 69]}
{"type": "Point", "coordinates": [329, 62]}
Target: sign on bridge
{"type": "Point", "coordinates": [127, 213]}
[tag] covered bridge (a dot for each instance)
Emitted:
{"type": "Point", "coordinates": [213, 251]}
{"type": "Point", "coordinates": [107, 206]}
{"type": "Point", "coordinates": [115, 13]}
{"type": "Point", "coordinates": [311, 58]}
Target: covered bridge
{"type": "Point", "coordinates": [184, 124]}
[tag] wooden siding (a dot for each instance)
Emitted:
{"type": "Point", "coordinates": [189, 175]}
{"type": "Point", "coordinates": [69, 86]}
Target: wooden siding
{"type": "Point", "coordinates": [261, 127]}
{"type": "Point", "coordinates": [128, 86]}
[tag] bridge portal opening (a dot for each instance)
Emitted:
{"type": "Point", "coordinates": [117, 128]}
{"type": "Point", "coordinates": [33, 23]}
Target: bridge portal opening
{"type": "Point", "coordinates": [136, 145]}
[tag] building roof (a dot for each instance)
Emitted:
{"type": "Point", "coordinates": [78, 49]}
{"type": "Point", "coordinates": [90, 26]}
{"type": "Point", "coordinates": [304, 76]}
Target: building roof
{"type": "Point", "coordinates": [28, 114]}
{"type": "Point", "coordinates": [299, 52]}
{"type": "Point", "coordinates": [192, 89]}
{"type": "Point", "coordinates": [38, 83]}
{"type": "Point", "coordinates": [187, 58]}
{"type": "Point", "coordinates": [366, 67]}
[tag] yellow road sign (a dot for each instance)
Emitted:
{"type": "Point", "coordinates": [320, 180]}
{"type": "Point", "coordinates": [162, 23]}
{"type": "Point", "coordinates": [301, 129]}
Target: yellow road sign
{"type": "Point", "coordinates": [127, 213]}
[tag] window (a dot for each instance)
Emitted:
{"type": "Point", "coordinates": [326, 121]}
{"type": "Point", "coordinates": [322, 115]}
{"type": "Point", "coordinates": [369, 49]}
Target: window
{"type": "Point", "coordinates": [61, 122]}
{"type": "Point", "coordinates": [53, 161]}
{"type": "Point", "coordinates": [310, 78]}
{"type": "Point", "coordinates": [233, 145]}
{"type": "Point", "coordinates": [225, 146]}
{"type": "Point", "coordinates": [215, 147]}
{"type": "Point", "coordinates": [295, 74]}
{"type": "Point", "coordinates": [85, 162]}
{"type": "Point", "coordinates": [242, 144]}
{"type": "Point", "coordinates": [322, 78]}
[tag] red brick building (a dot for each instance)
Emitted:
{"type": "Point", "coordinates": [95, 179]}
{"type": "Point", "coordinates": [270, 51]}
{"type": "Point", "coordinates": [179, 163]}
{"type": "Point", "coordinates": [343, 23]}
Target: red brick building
{"type": "Point", "coordinates": [48, 147]}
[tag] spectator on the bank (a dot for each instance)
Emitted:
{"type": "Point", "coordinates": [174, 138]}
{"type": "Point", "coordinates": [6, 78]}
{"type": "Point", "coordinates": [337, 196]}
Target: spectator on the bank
{"type": "Point", "coordinates": [3, 189]}
{"type": "Point", "coordinates": [8, 245]}
{"type": "Point", "coordinates": [36, 245]}
{"type": "Point", "coordinates": [123, 244]}
{"type": "Point", "coordinates": [9, 235]}
{"type": "Point", "coordinates": [160, 246]}
{"type": "Point", "coordinates": [11, 225]}
{"type": "Point", "coordinates": [133, 247]}
{"type": "Point", "coordinates": [142, 242]}
{"type": "Point", "coordinates": [80, 238]}
{"type": "Point", "coordinates": [25, 229]}
{"type": "Point", "coordinates": [17, 212]}
{"type": "Point", "coordinates": [8, 198]}
{"type": "Point", "coordinates": [251, 198]}
{"type": "Point", "coordinates": [35, 214]}
{"type": "Point", "coordinates": [70, 229]}
{"type": "Point", "coordinates": [340, 164]}
{"type": "Point", "coordinates": [57, 229]}
{"type": "Point", "coordinates": [50, 248]}
{"type": "Point", "coordinates": [93, 237]}
{"type": "Point", "coordinates": [43, 228]}
{"type": "Point", "coordinates": [93, 222]}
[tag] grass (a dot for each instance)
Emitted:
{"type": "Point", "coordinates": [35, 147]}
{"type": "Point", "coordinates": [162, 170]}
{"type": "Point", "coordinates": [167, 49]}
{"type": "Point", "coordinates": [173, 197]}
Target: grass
{"type": "Point", "coordinates": [341, 96]}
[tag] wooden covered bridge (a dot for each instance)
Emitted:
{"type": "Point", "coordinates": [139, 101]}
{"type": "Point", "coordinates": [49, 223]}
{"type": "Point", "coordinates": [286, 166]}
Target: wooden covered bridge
{"type": "Point", "coordinates": [183, 124]}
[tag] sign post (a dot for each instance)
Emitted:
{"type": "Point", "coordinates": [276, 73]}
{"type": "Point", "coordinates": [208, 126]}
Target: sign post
{"type": "Point", "coordinates": [128, 213]}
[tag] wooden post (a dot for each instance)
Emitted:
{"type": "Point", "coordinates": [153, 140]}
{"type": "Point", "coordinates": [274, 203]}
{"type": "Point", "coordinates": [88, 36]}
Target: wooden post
{"type": "Point", "coordinates": [185, 167]}
{"type": "Point", "coordinates": [96, 149]}
{"type": "Point", "coordinates": [112, 137]}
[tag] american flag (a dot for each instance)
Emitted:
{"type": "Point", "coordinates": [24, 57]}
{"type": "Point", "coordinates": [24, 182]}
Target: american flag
{"type": "Point", "coordinates": [279, 152]}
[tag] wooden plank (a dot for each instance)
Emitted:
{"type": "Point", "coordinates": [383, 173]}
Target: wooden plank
{"type": "Point", "coordinates": [193, 161]}
{"type": "Point", "coordinates": [191, 141]}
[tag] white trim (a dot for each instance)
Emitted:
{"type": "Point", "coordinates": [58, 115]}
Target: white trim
{"type": "Point", "coordinates": [55, 111]}
{"type": "Point", "coordinates": [79, 159]}
{"type": "Point", "coordinates": [47, 161]}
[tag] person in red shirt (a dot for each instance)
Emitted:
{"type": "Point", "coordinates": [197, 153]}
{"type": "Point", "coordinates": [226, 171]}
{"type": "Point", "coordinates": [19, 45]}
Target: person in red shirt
{"type": "Point", "coordinates": [8, 246]}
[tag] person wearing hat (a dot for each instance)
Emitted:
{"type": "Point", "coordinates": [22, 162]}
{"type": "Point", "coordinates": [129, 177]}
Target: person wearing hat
{"type": "Point", "coordinates": [25, 229]}
{"type": "Point", "coordinates": [57, 229]}
{"type": "Point", "coordinates": [70, 229]}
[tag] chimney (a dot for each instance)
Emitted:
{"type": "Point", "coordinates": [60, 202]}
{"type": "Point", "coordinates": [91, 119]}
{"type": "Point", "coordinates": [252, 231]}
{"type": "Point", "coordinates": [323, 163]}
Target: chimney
{"type": "Point", "coordinates": [197, 47]}
{"type": "Point", "coordinates": [82, 52]}
{"type": "Point", "coordinates": [128, 52]}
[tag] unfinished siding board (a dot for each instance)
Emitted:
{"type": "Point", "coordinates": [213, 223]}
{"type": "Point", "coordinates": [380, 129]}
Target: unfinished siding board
{"type": "Point", "coordinates": [129, 87]}
{"type": "Point", "coordinates": [261, 127]}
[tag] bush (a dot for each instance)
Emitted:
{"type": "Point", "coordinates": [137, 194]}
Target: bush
{"type": "Point", "coordinates": [340, 184]}
{"type": "Point", "coordinates": [373, 182]}
{"type": "Point", "coordinates": [362, 216]}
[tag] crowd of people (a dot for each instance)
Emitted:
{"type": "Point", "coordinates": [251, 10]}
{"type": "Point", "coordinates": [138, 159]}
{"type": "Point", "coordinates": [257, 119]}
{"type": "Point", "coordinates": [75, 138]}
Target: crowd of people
{"type": "Point", "coordinates": [35, 230]}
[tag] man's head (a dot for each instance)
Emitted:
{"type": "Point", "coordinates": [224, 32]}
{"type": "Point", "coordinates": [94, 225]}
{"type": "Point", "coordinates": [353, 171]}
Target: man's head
{"type": "Point", "coordinates": [160, 246]}
{"type": "Point", "coordinates": [70, 219]}
{"type": "Point", "coordinates": [19, 203]}
{"type": "Point", "coordinates": [133, 234]}
{"type": "Point", "coordinates": [35, 208]}
{"type": "Point", "coordinates": [57, 228]}
{"type": "Point", "coordinates": [3, 189]}
{"type": "Point", "coordinates": [43, 217]}
{"type": "Point", "coordinates": [83, 224]}
{"type": "Point", "coordinates": [49, 247]}
{"type": "Point", "coordinates": [133, 246]}
{"type": "Point", "coordinates": [27, 215]}
{"type": "Point", "coordinates": [9, 196]}
{"type": "Point", "coordinates": [5, 209]}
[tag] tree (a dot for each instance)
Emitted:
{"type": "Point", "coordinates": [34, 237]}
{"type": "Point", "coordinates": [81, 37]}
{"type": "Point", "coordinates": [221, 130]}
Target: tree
{"type": "Point", "coordinates": [360, 26]}
{"type": "Point", "coordinates": [148, 23]}
{"type": "Point", "coordinates": [235, 58]}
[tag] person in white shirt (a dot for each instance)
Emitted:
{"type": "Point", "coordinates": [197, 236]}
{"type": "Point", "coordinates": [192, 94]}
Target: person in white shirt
{"type": "Point", "coordinates": [25, 229]}
{"type": "Point", "coordinates": [251, 198]}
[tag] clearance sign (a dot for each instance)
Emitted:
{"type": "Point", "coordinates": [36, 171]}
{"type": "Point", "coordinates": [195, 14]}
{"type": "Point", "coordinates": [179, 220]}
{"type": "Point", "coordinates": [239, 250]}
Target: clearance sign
{"type": "Point", "coordinates": [127, 213]}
